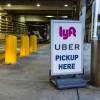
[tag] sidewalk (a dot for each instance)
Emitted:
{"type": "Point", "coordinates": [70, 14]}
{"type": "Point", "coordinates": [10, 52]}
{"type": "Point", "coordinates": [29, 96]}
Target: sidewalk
{"type": "Point", "coordinates": [29, 80]}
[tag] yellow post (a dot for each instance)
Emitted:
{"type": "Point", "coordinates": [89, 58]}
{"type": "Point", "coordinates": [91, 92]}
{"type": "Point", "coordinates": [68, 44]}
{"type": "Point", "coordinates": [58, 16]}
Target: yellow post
{"type": "Point", "coordinates": [11, 49]}
{"type": "Point", "coordinates": [24, 49]}
{"type": "Point", "coordinates": [33, 43]}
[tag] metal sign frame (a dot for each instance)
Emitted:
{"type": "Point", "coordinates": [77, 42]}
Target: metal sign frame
{"type": "Point", "coordinates": [52, 41]}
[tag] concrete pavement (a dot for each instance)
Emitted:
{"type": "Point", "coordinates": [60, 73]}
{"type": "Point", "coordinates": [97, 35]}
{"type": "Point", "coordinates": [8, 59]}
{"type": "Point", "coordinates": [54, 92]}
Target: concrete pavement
{"type": "Point", "coordinates": [29, 80]}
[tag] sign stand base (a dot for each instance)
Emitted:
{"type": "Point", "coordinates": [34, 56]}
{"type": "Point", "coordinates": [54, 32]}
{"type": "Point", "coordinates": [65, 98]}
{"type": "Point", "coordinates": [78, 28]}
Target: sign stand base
{"type": "Point", "coordinates": [69, 81]}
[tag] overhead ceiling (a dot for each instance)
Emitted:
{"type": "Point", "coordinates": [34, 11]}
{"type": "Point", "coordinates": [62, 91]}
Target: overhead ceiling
{"type": "Point", "coordinates": [48, 7]}
{"type": "Point", "coordinates": [18, 2]}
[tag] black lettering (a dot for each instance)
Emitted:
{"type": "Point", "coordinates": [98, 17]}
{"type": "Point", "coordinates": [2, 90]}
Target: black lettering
{"type": "Point", "coordinates": [77, 47]}
{"type": "Point", "coordinates": [70, 46]}
{"type": "Point", "coordinates": [64, 47]}
{"type": "Point", "coordinates": [57, 48]}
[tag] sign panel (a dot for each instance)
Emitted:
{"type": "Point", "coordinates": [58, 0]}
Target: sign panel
{"type": "Point", "coordinates": [66, 47]}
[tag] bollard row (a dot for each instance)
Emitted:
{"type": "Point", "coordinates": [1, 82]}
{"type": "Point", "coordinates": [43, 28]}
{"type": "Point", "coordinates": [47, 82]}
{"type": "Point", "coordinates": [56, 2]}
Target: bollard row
{"type": "Point", "coordinates": [28, 45]}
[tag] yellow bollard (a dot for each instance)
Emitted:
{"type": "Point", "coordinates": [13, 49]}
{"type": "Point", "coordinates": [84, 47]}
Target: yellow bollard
{"type": "Point", "coordinates": [33, 43]}
{"type": "Point", "coordinates": [11, 49]}
{"type": "Point", "coordinates": [24, 49]}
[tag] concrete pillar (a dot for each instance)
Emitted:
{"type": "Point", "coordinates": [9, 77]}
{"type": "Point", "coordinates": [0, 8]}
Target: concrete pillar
{"type": "Point", "coordinates": [95, 50]}
{"type": "Point", "coordinates": [95, 63]}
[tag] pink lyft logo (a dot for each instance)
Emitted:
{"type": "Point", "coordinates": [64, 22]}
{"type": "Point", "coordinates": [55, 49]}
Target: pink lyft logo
{"type": "Point", "coordinates": [65, 33]}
